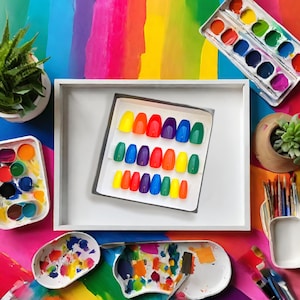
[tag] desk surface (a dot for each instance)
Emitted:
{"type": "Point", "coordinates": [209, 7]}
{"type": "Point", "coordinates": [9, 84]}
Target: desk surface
{"type": "Point", "coordinates": [135, 39]}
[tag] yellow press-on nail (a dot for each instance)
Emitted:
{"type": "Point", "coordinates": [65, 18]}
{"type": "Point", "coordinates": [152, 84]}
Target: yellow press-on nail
{"type": "Point", "coordinates": [174, 189]}
{"type": "Point", "coordinates": [117, 179]}
{"type": "Point", "coordinates": [126, 121]}
{"type": "Point", "coordinates": [181, 162]}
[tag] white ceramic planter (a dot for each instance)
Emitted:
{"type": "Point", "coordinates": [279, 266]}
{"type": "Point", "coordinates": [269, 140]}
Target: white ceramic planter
{"type": "Point", "coordinates": [40, 102]}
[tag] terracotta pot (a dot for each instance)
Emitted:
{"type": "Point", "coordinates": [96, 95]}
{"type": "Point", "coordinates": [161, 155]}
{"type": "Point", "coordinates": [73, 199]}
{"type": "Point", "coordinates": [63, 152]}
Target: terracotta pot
{"type": "Point", "coordinates": [263, 150]}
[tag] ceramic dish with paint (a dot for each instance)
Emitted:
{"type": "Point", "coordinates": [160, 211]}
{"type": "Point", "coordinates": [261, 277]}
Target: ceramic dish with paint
{"type": "Point", "coordinates": [156, 268]}
{"type": "Point", "coordinates": [24, 195]}
{"type": "Point", "coordinates": [65, 259]}
{"type": "Point", "coordinates": [153, 155]}
{"type": "Point", "coordinates": [259, 46]}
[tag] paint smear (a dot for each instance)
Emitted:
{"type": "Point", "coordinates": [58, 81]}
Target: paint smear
{"type": "Point", "coordinates": [260, 28]}
{"type": "Point", "coordinates": [280, 83]}
{"type": "Point", "coordinates": [229, 37]}
{"type": "Point", "coordinates": [204, 254]}
{"type": "Point", "coordinates": [285, 49]}
{"type": "Point", "coordinates": [217, 26]}
{"type": "Point", "coordinates": [241, 47]}
{"type": "Point", "coordinates": [236, 6]}
{"type": "Point", "coordinates": [26, 152]}
{"type": "Point", "coordinates": [253, 58]}
{"type": "Point", "coordinates": [272, 38]}
{"type": "Point", "coordinates": [248, 16]}
{"type": "Point", "coordinates": [296, 62]}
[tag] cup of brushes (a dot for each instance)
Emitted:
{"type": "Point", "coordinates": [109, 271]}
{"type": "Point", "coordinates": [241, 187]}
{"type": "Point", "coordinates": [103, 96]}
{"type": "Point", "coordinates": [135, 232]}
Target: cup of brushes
{"type": "Point", "coordinates": [280, 217]}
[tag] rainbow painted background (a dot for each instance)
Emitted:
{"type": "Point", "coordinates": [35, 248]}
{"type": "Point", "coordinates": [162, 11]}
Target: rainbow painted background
{"type": "Point", "coordinates": [131, 39]}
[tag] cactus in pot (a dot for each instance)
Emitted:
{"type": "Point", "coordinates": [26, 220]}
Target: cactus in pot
{"type": "Point", "coordinates": [21, 74]}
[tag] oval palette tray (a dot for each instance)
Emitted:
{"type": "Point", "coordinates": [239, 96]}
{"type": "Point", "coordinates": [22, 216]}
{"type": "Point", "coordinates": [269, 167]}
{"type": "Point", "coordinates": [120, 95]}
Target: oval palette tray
{"type": "Point", "coordinates": [24, 195]}
{"type": "Point", "coordinates": [156, 268]}
{"type": "Point", "coordinates": [65, 259]}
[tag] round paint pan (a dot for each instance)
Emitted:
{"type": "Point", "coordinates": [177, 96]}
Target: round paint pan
{"type": "Point", "coordinates": [65, 259]}
{"type": "Point", "coordinates": [285, 49]}
{"type": "Point", "coordinates": [265, 69]}
{"type": "Point", "coordinates": [253, 58]}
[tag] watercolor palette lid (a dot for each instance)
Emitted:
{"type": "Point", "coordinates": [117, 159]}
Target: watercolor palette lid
{"type": "Point", "coordinates": [157, 267]}
{"type": "Point", "coordinates": [154, 152]}
{"type": "Point", "coordinates": [259, 46]}
{"type": "Point", "coordinates": [24, 194]}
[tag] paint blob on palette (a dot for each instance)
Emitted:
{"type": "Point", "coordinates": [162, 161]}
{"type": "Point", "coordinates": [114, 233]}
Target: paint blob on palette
{"type": "Point", "coordinates": [155, 152]}
{"type": "Point", "coordinates": [258, 45]}
{"type": "Point", "coordinates": [24, 195]}
{"type": "Point", "coordinates": [156, 268]}
{"type": "Point", "coordinates": [65, 259]}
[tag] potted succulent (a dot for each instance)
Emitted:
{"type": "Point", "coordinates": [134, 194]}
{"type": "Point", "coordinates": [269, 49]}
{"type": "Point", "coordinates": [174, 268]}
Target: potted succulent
{"type": "Point", "coordinates": [276, 142]}
{"type": "Point", "coordinates": [24, 86]}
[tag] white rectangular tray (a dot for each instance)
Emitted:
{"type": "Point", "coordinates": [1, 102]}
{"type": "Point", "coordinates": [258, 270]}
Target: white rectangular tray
{"type": "Point", "coordinates": [82, 109]}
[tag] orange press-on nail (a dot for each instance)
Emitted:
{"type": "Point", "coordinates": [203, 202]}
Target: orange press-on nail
{"type": "Point", "coordinates": [183, 189]}
{"type": "Point", "coordinates": [126, 121]}
{"type": "Point", "coordinates": [125, 182]}
{"type": "Point", "coordinates": [156, 157]}
{"type": "Point", "coordinates": [140, 124]}
{"type": "Point", "coordinates": [117, 179]}
{"type": "Point", "coordinates": [135, 181]}
{"type": "Point", "coordinates": [154, 126]}
{"type": "Point", "coordinates": [168, 161]}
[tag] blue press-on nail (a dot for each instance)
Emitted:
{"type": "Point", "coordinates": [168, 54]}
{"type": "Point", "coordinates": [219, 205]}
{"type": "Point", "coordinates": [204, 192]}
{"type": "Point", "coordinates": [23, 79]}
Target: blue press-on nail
{"type": "Point", "coordinates": [130, 155]}
{"type": "Point", "coordinates": [168, 130]}
{"type": "Point", "coordinates": [155, 184]}
{"type": "Point", "coordinates": [183, 131]}
{"type": "Point", "coordinates": [143, 156]}
{"type": "Point", "coordinates": [145, 183]}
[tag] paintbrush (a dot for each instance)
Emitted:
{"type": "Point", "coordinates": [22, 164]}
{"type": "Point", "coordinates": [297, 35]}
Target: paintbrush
{"type": "Point", "coordinates": [264, 286]}
{"type": "Point", "coordinates": [282, 284]}
{"type": "Point", "coordinates": [185, 272]}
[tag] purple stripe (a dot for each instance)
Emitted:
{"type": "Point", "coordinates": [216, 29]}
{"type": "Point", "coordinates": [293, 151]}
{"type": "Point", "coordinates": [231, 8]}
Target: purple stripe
{"type": "Point", "coordinates": [81, 32]}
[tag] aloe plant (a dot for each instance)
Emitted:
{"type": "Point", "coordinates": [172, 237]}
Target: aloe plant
{"type": "Point", "coordinates": [286, 138]}
{"type": "Point", "coordinates": [20, 73]}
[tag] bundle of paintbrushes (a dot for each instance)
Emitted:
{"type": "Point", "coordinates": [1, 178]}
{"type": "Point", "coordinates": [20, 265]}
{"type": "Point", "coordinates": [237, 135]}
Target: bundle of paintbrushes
{"type": "Point", "coordinates": [281, 197]}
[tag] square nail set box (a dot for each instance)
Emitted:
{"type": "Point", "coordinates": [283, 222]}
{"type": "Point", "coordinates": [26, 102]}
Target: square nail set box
{"type": "Point", "coordinates": [263, 50]}
{"type": "Point", "coordinates": [154, 152]}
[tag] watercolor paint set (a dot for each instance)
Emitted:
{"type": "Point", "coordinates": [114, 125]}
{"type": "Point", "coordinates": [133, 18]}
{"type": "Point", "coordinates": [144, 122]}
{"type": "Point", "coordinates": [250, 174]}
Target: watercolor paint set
{"type": "Point", "coordinates": [280, 217]}
{"type": "Point", "coordinates": [155, 152]}
{"type": "Point", "coordinates": [24, 195]}
{"type": "Point", "coordinates": [263, 50]}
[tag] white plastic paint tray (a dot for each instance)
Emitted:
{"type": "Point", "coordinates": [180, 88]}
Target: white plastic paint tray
{"type": "Point", "coordinates": [82, 111]}
{"type": "Point", "coordinates": [155, 152]}
{"type": "Point", "coordinates": [283, 235]}
{"type": "Point", "coordinates": [259, 46]}
{"type": "Point", "coordinates": [24, 195]}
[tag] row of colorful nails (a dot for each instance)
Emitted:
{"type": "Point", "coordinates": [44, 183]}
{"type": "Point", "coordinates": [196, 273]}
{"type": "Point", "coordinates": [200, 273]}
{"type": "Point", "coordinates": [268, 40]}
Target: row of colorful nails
{"type": "Point", "coordinates": [165, 186]}
{"type": "Point", "coordinates": [157, 159]}
{"type": "Point", "coordinates": [155, 128]}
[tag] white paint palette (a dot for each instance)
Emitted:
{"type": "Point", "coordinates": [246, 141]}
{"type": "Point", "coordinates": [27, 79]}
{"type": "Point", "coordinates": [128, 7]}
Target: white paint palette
{"type": "Point", "coordinates": [155, 152]}
{"type": "Point", "coordinates": [259, 46]}
{"type": "Point", "coordinates": [155, 268]}
{"type": "Point", "coordinates": [24, 195]}
{"type": "Point", "coordinates": [65, 259]}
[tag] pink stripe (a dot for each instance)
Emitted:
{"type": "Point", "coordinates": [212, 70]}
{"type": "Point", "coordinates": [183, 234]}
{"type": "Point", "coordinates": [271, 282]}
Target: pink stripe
{"type": "Point", "coordinates": [104, 51]}
{"type": "Point", "coordinates": [271, 7]}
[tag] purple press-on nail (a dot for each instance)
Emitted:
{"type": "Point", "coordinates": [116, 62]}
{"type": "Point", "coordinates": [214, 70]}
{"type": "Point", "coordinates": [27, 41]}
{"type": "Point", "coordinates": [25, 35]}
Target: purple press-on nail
{"type": "Point", "coordinates": [143, 156]}
{"type": "Point", "coordinates": [169, 128]}
{"type": "Point", "coordinates": [145, 183]}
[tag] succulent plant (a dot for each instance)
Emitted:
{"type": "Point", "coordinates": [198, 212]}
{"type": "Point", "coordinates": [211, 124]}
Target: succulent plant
{"type": "Point", "coordinates": [286, 138]}
{"type": "Point", "coordinates": [20, 73]}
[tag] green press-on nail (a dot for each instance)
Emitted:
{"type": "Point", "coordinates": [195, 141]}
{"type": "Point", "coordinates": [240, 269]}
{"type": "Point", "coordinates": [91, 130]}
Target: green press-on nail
{"type": "Point", "coordinates": [165, 186]}
{"type": "Point", "coordinates": [119, 152]}
{"type": "Point", "coordinates": [197, 133]}
{"type": "Point", "coordinates": [193, 165]}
